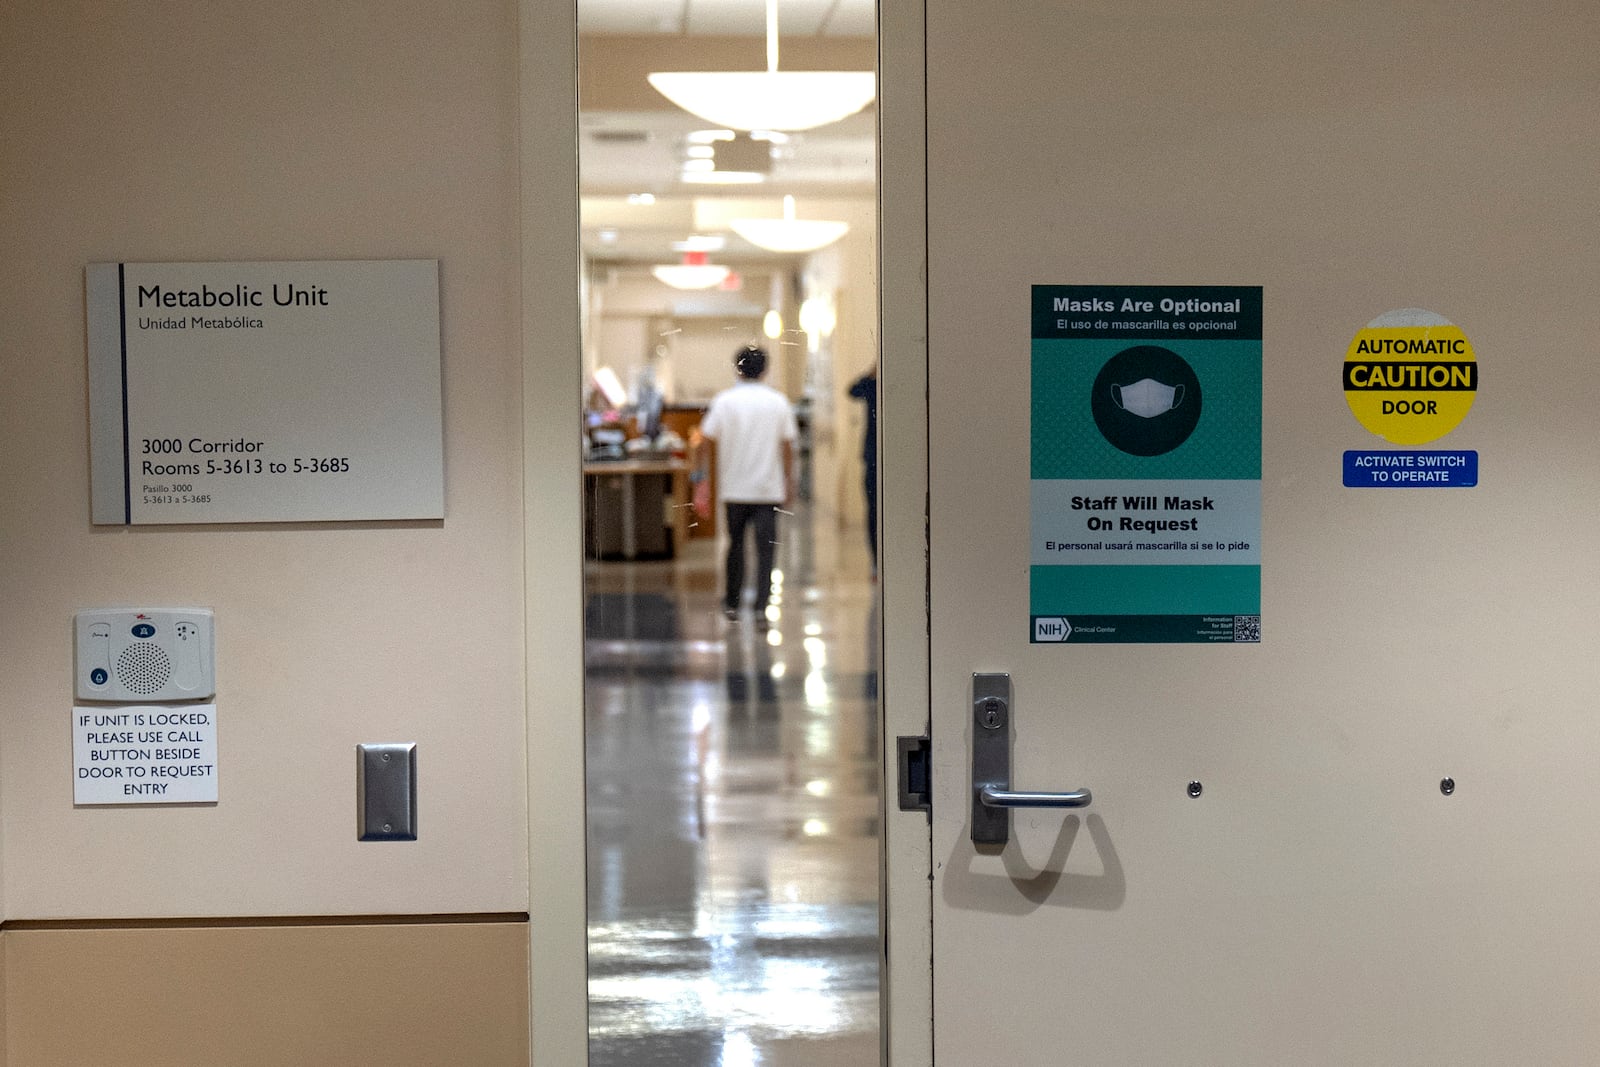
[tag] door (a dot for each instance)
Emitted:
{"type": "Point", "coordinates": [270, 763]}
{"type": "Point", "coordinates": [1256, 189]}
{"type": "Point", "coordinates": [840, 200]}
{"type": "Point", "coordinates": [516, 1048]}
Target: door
{"type": "Point", "coordinates": [1367, 836]}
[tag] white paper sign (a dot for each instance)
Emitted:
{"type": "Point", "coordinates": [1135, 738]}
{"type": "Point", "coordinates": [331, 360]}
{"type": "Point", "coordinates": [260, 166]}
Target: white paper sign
{"type": "Point", "coordinates": [265, 392]}
{"type": "Point", "coordinates": [144, 754]}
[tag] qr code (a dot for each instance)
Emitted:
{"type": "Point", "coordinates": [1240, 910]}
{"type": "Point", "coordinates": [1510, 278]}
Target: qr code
{"type": "Point", "coordinates": [1246, 628]}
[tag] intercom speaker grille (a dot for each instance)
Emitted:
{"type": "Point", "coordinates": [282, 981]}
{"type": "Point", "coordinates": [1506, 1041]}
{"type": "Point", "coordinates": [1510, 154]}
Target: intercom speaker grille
{"type": "Point", "coordinates": [144, 668]}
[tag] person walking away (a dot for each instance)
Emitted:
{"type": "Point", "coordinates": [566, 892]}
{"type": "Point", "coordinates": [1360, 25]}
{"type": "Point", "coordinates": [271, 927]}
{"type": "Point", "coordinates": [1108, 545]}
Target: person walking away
{"type": "Point", "coordinates": [865, 389]}
{"type": "Point", "coordinates": [752, 428]}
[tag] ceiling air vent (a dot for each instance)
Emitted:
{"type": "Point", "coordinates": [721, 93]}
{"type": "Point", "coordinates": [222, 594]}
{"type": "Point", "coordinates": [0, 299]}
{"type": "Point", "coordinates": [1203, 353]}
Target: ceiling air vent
{"type": "Point", "coordinates": [620, 136]}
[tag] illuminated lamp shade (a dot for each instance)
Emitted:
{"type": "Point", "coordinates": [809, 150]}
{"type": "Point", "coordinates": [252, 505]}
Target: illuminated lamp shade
{"type": "Point", "coordinates": [789, 234]}
{"type": "Point", "coordinates": [722, 177]}
{"type": "Point", "coordinates": [769, 99]}
{"type": "Point", "coordinates": [693, 273]}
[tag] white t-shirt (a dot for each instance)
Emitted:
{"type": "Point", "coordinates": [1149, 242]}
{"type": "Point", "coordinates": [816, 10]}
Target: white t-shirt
{"type": "Point", "coordinates": [750, 422]}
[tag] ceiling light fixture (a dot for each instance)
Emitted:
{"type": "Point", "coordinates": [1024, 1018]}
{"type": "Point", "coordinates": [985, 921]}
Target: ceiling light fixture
{"type": "Point", "coordinates": [769, 99]}
{"type": "Point", "coordinates": [693, 273]}
{"type": "Point", "coordinates": [700, 242]}
{"type": "Point", "coordinates": [722, 177]}
{"type": "Point", "coordinates": [789, 234]}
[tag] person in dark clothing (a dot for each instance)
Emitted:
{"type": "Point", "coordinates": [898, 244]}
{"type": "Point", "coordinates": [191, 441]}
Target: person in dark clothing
{"type": "Point", "coordinates": [865, 389]}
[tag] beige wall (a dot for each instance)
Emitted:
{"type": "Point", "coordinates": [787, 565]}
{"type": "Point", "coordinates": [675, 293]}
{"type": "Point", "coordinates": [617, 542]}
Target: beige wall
{"type": "Point", "coordinates": [171, 131]}
{"type": "Point", "coordinates": [632, 315]}
{"type": "Point", "coordinates": [185, 130]}
{"type": "Point", "coordinates": [245, 996]}
{"type": "Point", "coordinates": [846, 272]}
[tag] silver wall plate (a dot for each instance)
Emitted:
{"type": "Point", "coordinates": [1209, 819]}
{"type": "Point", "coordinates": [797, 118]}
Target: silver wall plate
{"type": "Point", "coordinates": [386, 792]}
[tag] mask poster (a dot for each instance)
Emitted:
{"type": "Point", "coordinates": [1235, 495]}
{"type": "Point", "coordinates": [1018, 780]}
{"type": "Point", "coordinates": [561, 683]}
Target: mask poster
{"type": "Point", "coordinates": [1145, 464]}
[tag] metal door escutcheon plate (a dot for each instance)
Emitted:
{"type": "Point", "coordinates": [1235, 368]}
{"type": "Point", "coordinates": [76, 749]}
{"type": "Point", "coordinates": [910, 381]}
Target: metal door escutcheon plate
{"type": "Point", "coordinates": [992, 795]}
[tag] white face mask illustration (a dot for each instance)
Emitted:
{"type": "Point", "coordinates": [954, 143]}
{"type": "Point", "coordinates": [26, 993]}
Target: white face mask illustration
{"type": "Point", "coordinates": [1147, 397]}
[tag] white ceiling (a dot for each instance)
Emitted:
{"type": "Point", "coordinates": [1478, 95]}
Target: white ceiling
{"type": "Point", "coordinates": [811, 18]}
{"type": "Point", "coordinates": [634, 151]}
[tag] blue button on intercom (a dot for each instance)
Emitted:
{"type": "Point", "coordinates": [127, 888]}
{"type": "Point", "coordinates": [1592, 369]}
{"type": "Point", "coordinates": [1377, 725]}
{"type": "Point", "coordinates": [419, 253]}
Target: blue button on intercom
{"type": "Point", "coordinates": [144, 629]}
{"type": "Point", "coordinates": [98, 676]}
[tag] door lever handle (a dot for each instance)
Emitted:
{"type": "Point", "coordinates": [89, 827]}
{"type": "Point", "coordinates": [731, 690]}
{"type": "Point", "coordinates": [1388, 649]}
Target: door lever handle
{"type": "Point", "coordinates": [992, 795]}
{"type": "Point", "coordinates": [1005, 798]}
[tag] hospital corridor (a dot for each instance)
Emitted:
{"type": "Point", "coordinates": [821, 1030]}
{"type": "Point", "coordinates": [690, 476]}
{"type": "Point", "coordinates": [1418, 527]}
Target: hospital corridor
{"type": "Point", "coordinates": [733, 810]}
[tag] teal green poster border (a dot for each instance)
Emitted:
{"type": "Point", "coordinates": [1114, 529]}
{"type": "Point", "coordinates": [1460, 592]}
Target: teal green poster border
{"type": "Point", "coordinates": [1152, 589]}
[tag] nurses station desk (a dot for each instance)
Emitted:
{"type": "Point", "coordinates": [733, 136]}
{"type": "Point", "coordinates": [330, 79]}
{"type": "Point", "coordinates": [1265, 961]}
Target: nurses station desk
{"type": "Point", "coordinates": [636, 508]}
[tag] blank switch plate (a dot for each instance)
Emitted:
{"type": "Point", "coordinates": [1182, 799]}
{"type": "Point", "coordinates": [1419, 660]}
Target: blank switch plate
{"type": "Point", "coordinates": [386, 792]}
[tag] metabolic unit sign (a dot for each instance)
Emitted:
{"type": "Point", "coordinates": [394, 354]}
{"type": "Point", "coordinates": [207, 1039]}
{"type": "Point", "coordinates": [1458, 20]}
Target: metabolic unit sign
{"type": "Point", "coordinates": [265, 392]}
{"type": "Point", "coordinates": [1146, 464]}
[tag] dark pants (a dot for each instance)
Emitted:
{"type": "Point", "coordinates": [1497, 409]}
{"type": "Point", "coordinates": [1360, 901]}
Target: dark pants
{"type": "Point", "coordinates": [870, 484]}
{"type": "Point", "coordinates": [764, 518]}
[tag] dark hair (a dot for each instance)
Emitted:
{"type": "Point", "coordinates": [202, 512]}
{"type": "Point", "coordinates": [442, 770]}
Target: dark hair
{"type": "Point", "coordinates": [751, 361]}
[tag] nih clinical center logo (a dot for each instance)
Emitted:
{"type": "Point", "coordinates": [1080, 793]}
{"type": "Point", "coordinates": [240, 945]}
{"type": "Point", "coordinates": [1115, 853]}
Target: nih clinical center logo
{"type": "Point", "coordinates": [1051, 629]}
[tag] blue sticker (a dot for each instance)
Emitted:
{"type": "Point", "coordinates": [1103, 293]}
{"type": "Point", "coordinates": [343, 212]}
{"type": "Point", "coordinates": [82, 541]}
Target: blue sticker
{"type": "Point", "coordinates": [1410, 470]}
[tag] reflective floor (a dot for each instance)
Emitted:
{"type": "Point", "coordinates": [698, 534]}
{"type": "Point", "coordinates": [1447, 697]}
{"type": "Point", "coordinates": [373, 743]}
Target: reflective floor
{"type": "Point", "coordinates": [733, 812]}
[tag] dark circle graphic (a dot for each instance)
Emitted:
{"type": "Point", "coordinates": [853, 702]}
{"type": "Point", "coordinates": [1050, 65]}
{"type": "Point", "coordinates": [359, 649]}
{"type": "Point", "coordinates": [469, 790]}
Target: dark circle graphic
{"type": "Point", "coordinates": [1146, 400]}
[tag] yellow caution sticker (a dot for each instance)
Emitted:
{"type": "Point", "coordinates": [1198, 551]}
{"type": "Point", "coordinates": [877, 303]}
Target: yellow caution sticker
{"type": "Point", "coordinates": [1410, 377]}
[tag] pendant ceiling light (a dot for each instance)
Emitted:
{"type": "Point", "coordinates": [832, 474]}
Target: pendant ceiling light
{"type": "Point", "coordinates": [769, 99]}
{"type": "Point", "coordinates": [693, 273]}
{"type": "Point", "coordinates": [789, 234]}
